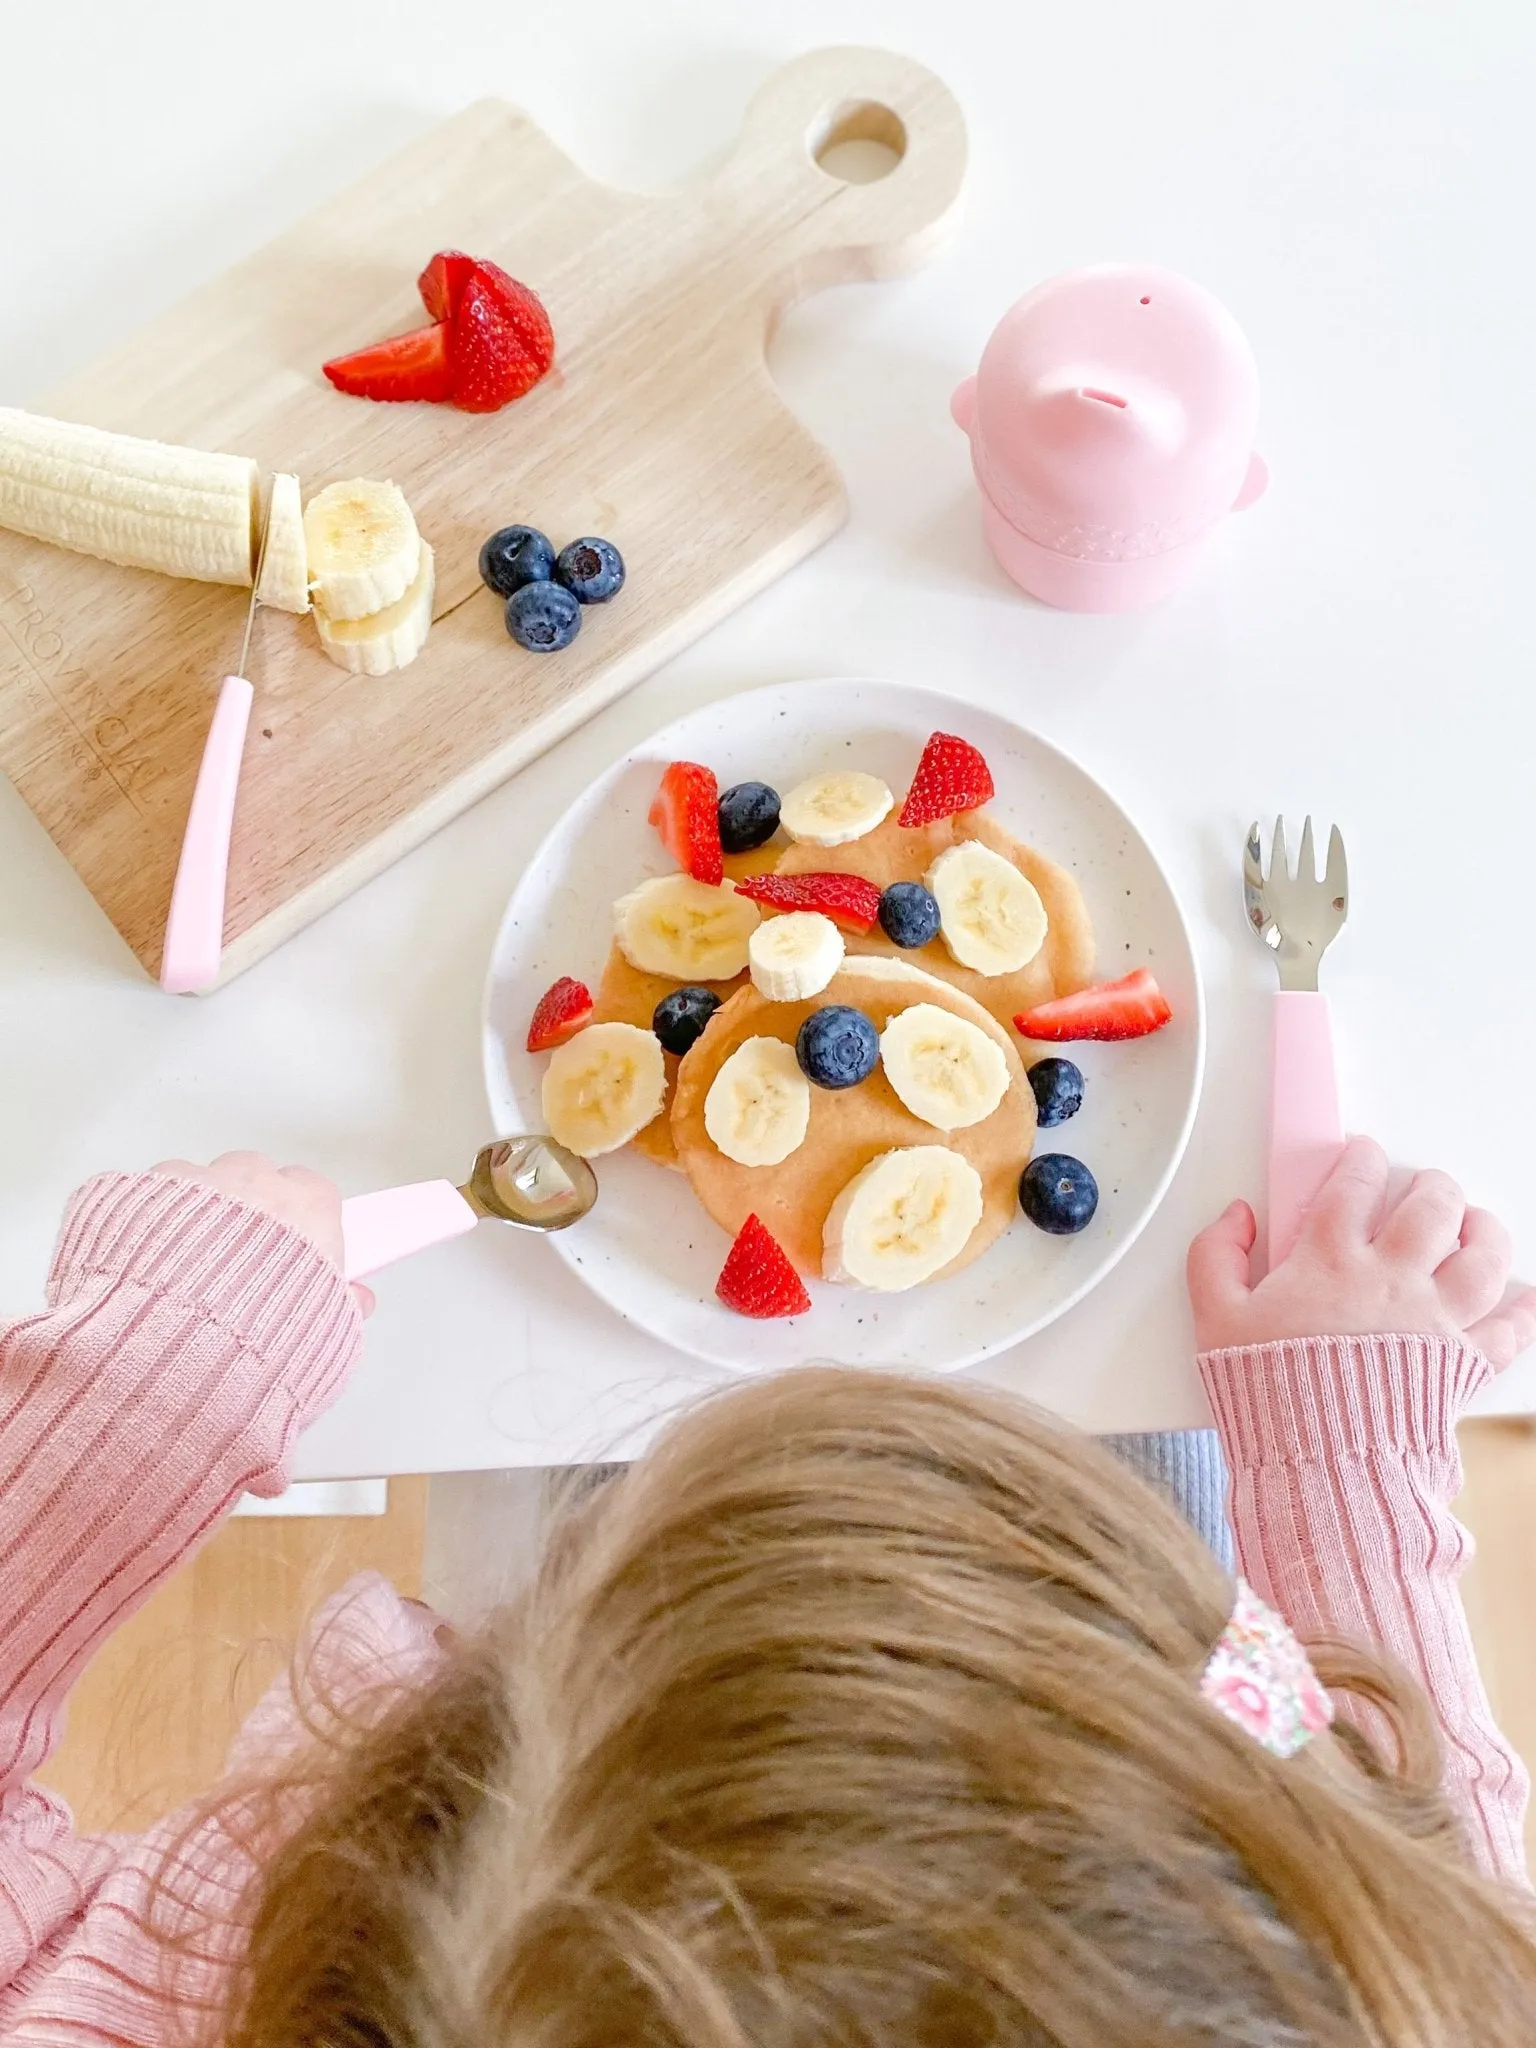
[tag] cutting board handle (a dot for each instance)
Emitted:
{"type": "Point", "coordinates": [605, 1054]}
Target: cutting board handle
{"type": "Point", "coordinates": [829, 230]}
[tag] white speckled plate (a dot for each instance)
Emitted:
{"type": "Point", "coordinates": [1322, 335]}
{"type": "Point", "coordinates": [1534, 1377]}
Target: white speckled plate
{"type": "Point", "coordinates": [648, 1249]}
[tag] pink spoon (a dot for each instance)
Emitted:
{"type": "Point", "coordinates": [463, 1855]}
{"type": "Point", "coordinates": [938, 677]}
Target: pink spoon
{"type": "Point", "coordinates": [530, 1182]}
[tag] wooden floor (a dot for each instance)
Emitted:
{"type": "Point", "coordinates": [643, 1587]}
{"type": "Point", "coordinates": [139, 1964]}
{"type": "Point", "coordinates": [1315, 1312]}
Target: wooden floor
{"type": "Point", "coordinates": [1499, 1506]}
{"type": "Point", "coordinates": [150, 1721]}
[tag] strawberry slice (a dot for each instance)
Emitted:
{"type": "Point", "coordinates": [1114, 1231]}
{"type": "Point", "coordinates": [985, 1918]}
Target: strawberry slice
{"type": "Point", "coordinates": [848, 899]}
{"type": "Point", "coordinates": [490, 342]}
{"type": "Point", "coordinates": [559, 1014]}
{"type": "Point", "coordinates": [686, 812]}
{"type": "Point", "coordinates": [442, 283]}
{"type": "Point", "coordinates": [501, 341]}
{"type": "Point", "coordinates": [409, 366]}
{"type": "Point", "coordinates": [1129, 1008]}
{"type": "Point", "coordinates": [951, 777]}
{"type": "Point", "coordinates": [757, 1278]}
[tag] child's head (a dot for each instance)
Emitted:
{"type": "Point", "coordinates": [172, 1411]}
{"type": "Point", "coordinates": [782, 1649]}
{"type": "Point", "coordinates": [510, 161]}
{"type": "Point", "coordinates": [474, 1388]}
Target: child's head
{"type": "Point", "coordinates": [865, 1710]}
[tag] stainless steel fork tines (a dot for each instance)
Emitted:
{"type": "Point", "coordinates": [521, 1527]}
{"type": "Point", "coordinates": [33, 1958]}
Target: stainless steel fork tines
{"type": "Point", "coordinates": [1296, 915]}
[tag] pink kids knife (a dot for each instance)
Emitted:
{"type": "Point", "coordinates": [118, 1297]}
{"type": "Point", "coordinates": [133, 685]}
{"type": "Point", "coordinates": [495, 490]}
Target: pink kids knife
{"type": "Point", "coordinates": [530, 1181]}
{"type": "Point", "coordinates": [194, 930]}
{"type": "Point", "coordinates": [1297, 916]}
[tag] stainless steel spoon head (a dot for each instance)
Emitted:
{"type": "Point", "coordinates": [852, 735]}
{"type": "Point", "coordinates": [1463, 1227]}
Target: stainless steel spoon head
{"type": "Point", "coordinates": [531, 1181]}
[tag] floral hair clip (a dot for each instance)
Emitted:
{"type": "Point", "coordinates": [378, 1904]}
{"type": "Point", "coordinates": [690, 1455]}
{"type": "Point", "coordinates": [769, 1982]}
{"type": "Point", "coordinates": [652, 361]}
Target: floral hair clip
{"type": "Point", "coordinates": [1260, 1677]}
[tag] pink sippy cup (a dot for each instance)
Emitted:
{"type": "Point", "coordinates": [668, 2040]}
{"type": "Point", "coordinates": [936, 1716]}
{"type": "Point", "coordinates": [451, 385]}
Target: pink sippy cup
{"type": "Point", "coordinates": [1111, 425]}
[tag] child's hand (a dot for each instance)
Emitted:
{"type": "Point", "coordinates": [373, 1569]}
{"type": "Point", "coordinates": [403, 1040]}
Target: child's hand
{"type": "Point", "coordinates": [1361, 1266]}
{"type": "Point", "coordinates": [305, 1201]}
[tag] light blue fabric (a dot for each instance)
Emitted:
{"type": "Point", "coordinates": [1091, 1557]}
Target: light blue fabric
{"type": "Point", "coordinates": [1188, 1466]}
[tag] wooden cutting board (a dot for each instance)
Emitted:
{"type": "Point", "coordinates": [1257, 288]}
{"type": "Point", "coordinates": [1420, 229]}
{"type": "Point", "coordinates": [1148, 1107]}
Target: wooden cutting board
{"type": "Point", "coordinates": [660, 428]}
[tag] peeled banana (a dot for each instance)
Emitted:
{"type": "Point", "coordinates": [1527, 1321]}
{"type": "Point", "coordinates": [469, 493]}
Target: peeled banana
{"type": "Point", "coordinates": [687, 930]}
{"type": "Point", "coordinates": [944, 1069]}
{"type": "Point", "coordinates": [363, 548]}
{"type": "Point", "coordinates": [794, 956]}
{"type": "Point", "coordinates": [829, 810]}
{"type": "Point", "coordinates": [142, 504]}
{"type": "Point", "coordinates": [283, 580]}
{"type": "Point", "coordinates": [387, 640]}
{"type": "Point", "coordinates": [759, 1104]}
{"type": "Point", "coordinates": [902, 1219]}
{"type": "Point", "coordinates": [602, 1086]}
{"type": "Point", "coordinates": [991, 917]}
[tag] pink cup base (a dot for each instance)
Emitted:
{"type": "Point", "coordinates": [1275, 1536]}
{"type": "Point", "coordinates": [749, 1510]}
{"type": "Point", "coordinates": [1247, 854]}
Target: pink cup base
{"type": "Point", "coordinates": [1074, 584]}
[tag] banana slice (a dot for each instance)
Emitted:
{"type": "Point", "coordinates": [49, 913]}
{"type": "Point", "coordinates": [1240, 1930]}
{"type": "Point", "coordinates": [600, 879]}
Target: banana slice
{"type": "Point", "coordinates": [602, 1086]}
{"type": "Point", "coordinates": [794, 956]}
{"type": "Point", "coordinates": [364, 550]}
{"type": "Point", "coordinates": [883, 967]}
{"type": "Point", "coordinates": [389, 639]}
{"type": "Point", "coordinates": [990, 916]}
{"type": "Point", "coordinates": [945, 1069]}
{"type": "Point", "coordinates": [829, 810]}
{"type": "Point", "coordinates": [686, 930]}
{"type": "Point", "coordinates": [142, 504]}
{"type": "Point", "coordinates": [902, 1219]}
{"type": "Point", "coordinates": [759, 1104]}
{"type": "Point", "coordinates": [284, 580]}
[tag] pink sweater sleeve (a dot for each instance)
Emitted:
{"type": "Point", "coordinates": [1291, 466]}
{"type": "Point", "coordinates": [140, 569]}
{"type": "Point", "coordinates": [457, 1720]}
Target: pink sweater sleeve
{"type": "Point", "coordinates": [187, 1342]}
{"type": "Point", "coordinates": [1344, 1463]}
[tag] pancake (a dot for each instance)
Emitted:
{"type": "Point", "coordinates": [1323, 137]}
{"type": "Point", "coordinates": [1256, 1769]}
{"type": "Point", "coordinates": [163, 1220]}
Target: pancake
{"type": "Point", "coordinates": [850, 1126]}
{"type": "Point", "coordinates": [896, 853]}
{"type": "Point", "coordinates": [628, 995]}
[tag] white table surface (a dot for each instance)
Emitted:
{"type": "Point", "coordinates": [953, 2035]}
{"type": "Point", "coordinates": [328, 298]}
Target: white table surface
{"type": "Point", "coordinates": [1353, 181]}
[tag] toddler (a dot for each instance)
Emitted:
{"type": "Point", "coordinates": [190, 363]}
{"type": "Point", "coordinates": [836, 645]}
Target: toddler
{"type": "Point", "coordinates": [862, 1712]}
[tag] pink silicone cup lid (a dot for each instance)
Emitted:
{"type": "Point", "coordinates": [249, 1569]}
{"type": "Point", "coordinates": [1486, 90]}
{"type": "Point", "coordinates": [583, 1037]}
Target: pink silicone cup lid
{"type": "Point", "coordinates": [1113, 413]}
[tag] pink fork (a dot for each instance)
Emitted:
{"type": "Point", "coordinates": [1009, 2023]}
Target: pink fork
{"type": "Point", "coordinates": [1297, 916]}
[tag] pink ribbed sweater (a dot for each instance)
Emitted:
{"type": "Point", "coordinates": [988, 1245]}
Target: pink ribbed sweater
{"type": "Point", "coordinates": [188, 1341]}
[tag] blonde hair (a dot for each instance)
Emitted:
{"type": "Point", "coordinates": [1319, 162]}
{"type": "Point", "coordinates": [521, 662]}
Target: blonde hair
{"type": "Point", "coordinates": [862, 1713]}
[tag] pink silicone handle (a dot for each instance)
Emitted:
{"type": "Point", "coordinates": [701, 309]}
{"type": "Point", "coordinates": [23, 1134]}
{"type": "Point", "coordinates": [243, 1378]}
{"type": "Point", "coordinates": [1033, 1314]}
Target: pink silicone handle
{"type": "Point", "coordinates": [194, 931]}
{"type": "Point", "coordinates": [378, 1229]}
{"type": "Point", "coordinates": [1306, 1131]}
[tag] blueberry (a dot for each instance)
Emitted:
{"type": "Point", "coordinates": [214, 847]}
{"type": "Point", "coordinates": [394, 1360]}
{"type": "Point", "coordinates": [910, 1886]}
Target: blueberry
{"type": "Point", "coordinates": [680, 1017]}
{"type": "Point", "coordinates": [543, 617]}
{"type": "Point", "coordinates": [1058, 1193]}
{"type": "Point", "coordinates": [1058, 1087]}
{"type": "Point", "coordinates": [908, 914]}
{"type": "Point", "coordinates": [514, 556]}
{"type": "Point", "coordinates": [749, 816]}
{"type": "Point", "coordinates": [837, 1047]}
{"type": "Point", "coordinates": [592, 570]}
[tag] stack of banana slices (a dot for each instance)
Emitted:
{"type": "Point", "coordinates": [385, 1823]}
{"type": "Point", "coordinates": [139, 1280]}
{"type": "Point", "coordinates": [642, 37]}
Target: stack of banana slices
{"type": "Point", "coordinates": [370, 575]}
{"type": "Point", "coordinates": [353, 553]}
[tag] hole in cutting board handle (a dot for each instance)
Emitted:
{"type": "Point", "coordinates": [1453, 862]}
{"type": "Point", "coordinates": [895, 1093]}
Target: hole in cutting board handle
{"type": "Point", "coordinates": [859, 142]}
